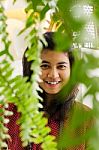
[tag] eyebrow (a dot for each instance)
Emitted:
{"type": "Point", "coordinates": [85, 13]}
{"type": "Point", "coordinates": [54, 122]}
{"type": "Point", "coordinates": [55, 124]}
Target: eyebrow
{"type": "Point", "coordinates": [63, 62]}
{"type": "Point", "coordinates": [44, 61]}
{"type": "Point", "coordinates": [60, 63]}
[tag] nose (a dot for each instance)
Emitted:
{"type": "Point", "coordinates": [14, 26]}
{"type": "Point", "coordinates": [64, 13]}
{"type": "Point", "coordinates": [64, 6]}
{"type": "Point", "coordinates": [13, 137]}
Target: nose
{"type": "Point", "coordinates": [53, 73]}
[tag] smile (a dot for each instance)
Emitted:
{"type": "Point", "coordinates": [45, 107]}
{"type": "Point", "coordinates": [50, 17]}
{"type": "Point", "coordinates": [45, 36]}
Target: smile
{"type": "Point", "coordinates": [52, 83]}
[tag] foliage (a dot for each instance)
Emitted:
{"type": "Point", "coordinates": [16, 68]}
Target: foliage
{"type": "Point", "coordinates": [83, 77]}
{"type": "Point", "coordinates": [14, 89]}
{"type": "Point", "coordinates": [33, 124]}
{"type": "Point", "coordinates": [3, 102]}
{"type": "Point", "coordinates": [4, 34]}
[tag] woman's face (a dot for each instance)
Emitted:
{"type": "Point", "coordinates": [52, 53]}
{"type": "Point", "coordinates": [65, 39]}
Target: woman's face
{"type": "Point", "coordinates": [55, 68]}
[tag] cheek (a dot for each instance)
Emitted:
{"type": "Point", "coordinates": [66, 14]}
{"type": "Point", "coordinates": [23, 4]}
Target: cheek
{"type": "Point", "coordinates": [66, 74]}
{"type": "Point", "coordinates": [43, 74]}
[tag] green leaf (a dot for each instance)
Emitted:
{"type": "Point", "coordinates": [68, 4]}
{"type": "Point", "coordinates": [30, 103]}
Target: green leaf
{"type": "Point", "coordinates": [43, 12]}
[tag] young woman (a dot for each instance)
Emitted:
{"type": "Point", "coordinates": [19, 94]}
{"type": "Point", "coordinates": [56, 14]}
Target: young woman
{"type": "Point", "coordinates": [56, 70]}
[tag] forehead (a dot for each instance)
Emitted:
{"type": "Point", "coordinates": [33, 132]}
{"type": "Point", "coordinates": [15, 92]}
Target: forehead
{"type": "Point", "coordinates": [54, 56]}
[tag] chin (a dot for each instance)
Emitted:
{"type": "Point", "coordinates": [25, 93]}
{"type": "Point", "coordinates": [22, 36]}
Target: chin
{"type": "Point", "coordinates": [52, 92]}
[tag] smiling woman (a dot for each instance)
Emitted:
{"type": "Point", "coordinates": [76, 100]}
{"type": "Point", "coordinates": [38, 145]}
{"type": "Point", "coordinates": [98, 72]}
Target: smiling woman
{"type": "Point", "coordinates": [56, 70]}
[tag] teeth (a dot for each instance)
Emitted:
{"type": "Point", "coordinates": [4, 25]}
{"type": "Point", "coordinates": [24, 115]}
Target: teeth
{"type": "Point", "coordinates": [52, 82]}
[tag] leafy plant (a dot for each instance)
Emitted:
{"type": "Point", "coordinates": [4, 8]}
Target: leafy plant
{"type": "Point", "coordinates": [14, 89]}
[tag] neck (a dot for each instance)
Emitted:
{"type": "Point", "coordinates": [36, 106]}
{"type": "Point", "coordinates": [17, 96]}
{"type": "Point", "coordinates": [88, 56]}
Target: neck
{"type": "Point", "coordinates": [49, 98]}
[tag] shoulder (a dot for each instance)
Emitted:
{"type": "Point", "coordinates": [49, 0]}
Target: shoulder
{"type": "Point", "coordinates": [81, 106]}
{"type": "Point", "coordinates": [83, 113]}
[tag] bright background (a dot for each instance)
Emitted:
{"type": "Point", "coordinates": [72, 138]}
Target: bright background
{"type": "Point", "coordinates": [16, 21]}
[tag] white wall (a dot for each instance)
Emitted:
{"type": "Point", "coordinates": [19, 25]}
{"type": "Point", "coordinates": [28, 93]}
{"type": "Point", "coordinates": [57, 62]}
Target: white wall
{"type": "Point", "coordinates": [8, 4]}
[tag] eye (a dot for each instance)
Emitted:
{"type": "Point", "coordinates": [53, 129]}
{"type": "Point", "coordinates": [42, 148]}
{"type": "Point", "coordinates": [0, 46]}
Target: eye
{"type": "Point", "coordinates": [61, 67]}
{"type": "Point", "coordinates": [44, 66]}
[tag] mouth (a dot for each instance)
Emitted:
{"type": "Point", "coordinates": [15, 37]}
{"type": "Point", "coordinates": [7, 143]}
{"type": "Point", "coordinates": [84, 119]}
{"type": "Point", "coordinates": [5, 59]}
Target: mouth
{"type": "Point", "coordinates": [53, 82]}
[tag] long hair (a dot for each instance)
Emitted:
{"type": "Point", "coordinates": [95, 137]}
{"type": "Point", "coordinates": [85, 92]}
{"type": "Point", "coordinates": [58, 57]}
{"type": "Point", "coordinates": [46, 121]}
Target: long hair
{"type": "Point", "coordinates": [56, 105]}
